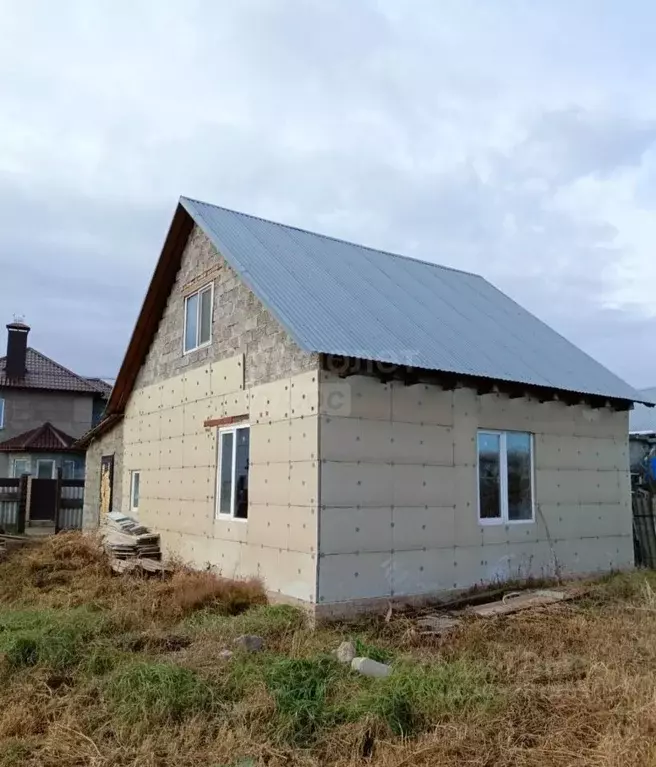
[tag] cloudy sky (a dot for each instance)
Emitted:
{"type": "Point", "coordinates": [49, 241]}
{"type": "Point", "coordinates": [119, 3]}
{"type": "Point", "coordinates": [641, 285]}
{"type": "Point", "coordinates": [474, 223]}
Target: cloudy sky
{"type": "Point", "coordinates": [513, 139]}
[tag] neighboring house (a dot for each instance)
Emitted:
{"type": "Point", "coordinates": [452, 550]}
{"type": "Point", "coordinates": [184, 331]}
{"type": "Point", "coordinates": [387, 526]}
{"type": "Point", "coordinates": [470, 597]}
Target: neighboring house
{"type": "Point", "coordinates": [44, 408]}
{"type": "Point", "coordinates": [355, 426]}
{"type": "Point", "coordinates": [642, 431]}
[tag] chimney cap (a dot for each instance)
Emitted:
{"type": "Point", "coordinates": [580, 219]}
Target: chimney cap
{"type": "Point", "coordinates": [18, 325]}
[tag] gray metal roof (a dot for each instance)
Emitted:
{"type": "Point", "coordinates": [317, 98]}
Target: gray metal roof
{"type": "Point", "coordinates": [643, 419]}
{"type": "Point", "coordinates": [340, 298]}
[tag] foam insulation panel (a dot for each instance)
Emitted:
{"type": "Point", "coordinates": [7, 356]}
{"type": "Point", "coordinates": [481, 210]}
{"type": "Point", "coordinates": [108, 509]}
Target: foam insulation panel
{"type": "Point", "coordinates": [399, 505]}
{"type": "Point", "coordinates": [166, 440]}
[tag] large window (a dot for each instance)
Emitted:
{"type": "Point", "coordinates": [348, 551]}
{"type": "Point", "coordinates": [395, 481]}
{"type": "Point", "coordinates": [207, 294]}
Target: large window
{"type": "Point", "coordinates": [198, 319]}
{"type": "Point", "coordinates": [45, 468]}
{"type": "Point", "coordinates": [135, 481]}
{"type": "Point", "coordinates": [505, 477]}
{"type": "Point", "coordinates": [232, 472]}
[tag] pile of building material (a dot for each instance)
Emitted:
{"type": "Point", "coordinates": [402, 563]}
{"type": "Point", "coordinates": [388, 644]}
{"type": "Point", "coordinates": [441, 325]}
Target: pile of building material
{"type": "Point", "coordinates": [129, 543]}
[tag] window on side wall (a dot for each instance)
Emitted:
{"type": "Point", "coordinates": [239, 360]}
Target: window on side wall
{"type": "Point", "coordinates": [198, 319]}
{"type": "Point", "coordinates": [68, 470]}
{"type": "Point", "coordinates": [135, 480]}
{"type": "Point", "coordinates": [232, 472]}
{"type": "Point", "coordinates": [2, 413]}
{"type": "Point", "coordinates": [22, 466]}
{"type": "Point", "coordinates": [505, 477]}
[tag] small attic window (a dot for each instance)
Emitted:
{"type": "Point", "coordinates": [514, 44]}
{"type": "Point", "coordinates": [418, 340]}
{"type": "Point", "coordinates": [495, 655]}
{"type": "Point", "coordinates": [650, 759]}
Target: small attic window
{"type": "Point", "coordinates": [198, 319]}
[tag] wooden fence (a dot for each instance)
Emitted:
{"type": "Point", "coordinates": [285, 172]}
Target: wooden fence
{"type": "Point", "coordinates": [16, 497]}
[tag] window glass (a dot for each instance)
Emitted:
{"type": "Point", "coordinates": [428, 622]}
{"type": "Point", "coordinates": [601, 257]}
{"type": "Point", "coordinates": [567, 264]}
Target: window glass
{"type": "Point", "coordinates": [21, 466]}
{"type": "Point", "coordinates": [2, 413]}
{"type": "Point", "coordinates": [489, 475]}
{"type": "Point", "coordinates": [225, 480]}
{"type": "Point", "coordinates": [191, 322]}
{"type": "Point", "coordinates": [518, 451]}
{"type": "Point", "coordinates": [45, 469]}
{"type": "Point", "coordinates": [68, 470]}
{"type": "Point", "coordinates": [136, 481]}
{"type": "Point", "coordinates": [205, 316]}
{"type": "Point", "coordinates": [241, 473]}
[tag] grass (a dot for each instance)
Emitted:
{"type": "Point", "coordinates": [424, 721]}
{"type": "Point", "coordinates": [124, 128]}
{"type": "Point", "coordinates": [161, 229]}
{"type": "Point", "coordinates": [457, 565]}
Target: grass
{"type": "Point", "coordinates": [122, 670]}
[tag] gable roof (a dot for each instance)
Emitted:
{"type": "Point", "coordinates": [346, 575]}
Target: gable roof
{"type": "Point", "coordinates": [44, 373]}
{"type": "Point", "coordinates": [643, 419]}
{"type": "Point", "coordinates": [336, 297]}
{"type": "Point", "coordinates": [44, 437]}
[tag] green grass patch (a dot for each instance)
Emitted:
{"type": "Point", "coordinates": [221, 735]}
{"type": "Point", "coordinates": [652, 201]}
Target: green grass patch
{"type": "Point", "coordinates": [414, 696]}
{"type": "Point", "coordinates": [157, 693]}
{"type": "Point", "coordinates": [300, 688]}
{"type": "Point", "coordinates": [58, 639]}
{"type": "Point", "coordinates": [365, 650]}
{"type": "Point", "coordinates": [268, 621]}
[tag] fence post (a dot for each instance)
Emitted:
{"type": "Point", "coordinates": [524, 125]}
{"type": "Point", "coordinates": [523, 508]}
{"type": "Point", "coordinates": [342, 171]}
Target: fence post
{"type": "Point", "coordinates": [58, 491]}
{"type": "Point", "coordinates": [21, 514]}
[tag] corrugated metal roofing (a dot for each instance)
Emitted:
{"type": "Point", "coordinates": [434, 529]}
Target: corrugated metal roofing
{"type": "Point", "coordinates": [340, 298]}
{"type": "Point", "coordinates": [643, 419]}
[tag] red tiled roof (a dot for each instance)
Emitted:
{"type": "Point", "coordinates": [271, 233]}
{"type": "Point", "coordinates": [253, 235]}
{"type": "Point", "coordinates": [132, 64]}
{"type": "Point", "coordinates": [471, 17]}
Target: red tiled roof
{"type": "Point", "coordinates": [45, 437]}
{"type": "Point", "coordinates": [44, 373]}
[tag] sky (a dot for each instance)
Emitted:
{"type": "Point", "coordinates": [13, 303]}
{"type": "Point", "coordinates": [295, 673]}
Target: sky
{"type": "Point", "coordinates": [513, 139]}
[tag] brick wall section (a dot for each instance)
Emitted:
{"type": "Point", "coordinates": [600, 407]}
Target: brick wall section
{"type": "Point", "coordinates": [240, 324]}
{"type": "Point", "coordinates": [110, 443]}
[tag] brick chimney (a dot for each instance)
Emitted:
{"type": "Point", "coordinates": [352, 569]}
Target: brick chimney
{"type": "Point", "coordinates": [16, 350]}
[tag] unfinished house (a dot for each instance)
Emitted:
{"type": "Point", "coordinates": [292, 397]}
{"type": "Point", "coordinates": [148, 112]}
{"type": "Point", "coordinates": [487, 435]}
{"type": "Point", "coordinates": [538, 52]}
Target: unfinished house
{"type": "Point", "coordinates": [355, 426]}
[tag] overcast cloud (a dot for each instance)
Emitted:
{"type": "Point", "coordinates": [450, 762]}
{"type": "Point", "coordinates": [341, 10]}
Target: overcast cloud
{"type": "Point", "coordinates": [514, 139]}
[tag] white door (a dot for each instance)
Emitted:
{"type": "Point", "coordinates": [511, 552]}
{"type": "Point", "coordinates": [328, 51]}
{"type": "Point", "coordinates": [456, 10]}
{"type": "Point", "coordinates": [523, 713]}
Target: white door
{"type": "Point", "coordinates": [45, 468]}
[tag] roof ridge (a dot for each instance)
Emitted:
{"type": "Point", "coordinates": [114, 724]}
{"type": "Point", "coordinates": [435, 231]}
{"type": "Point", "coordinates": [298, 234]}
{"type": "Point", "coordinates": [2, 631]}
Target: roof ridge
{"type": "Point", "coordinates": [333, 238]}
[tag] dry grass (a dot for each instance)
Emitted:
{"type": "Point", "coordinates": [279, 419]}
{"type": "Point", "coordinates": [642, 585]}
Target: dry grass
{"type": "Point", "coordinates": [118, 671]}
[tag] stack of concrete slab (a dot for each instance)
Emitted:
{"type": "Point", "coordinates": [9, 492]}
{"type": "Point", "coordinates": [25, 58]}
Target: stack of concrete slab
{"type": "Point", "coordinates": [125, 538]}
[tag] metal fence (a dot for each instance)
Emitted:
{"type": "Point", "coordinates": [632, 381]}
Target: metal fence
{"type": "Point", "coordinates": [9, 500]}
{"type": "Point", "coordinates": [644, 527]}
{"type": "Point", "coordinates": [71, 504]}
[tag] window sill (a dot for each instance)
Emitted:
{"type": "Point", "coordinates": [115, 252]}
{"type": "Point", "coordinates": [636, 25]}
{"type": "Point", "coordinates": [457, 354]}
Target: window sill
{"type": "Point", "coordinates": [229, 518]}
{"type": "Point", "coordinates": [197, 348]}
{"type": "Point", "coordinates": [497, 522]}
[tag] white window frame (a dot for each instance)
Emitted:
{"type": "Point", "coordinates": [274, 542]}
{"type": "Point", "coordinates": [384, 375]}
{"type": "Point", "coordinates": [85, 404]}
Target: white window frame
{"type": "Point", "coordinates": [2, 413]}
{"type": "Point", "coordinates": [503, 478]}
{"type": "Point", "coordinates": [198, 292]}
{"type": "Point", "coordinates": [73, 465]}
{"type": "Point", "coordinates": [137, 473]}
{"type": "Point", "coordinates": [233, 428]}
{"type": "Point", "coordinates": [21, 460]}
{"type": "Point", "coordinates": [52, 462]}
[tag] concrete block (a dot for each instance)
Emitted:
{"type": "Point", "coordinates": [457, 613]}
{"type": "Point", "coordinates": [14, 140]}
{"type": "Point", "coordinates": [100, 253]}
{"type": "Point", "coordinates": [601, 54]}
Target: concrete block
{"type": "Point", "coordinates": [343, 577]}
{"type": "Point", "coordinates": [423, 403]}
{"type": "Point", "coordinates": [353, 484]}
{"type": "Point", "coordinates": [368, 667]}
{"type": "Point", "coordinates": [419, 527]}
{"type": "Point", "coordinates": [347, 530]}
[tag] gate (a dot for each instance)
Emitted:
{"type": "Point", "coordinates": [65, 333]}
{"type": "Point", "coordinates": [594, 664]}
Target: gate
{"type": "Point", "coordinates": [644, 527]}
{"type": "Point", "coordinates": [43, 500]}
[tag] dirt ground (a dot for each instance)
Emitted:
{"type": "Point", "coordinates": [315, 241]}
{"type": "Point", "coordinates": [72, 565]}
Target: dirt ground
{"type": "Point", "coordinates": [108, 670]}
